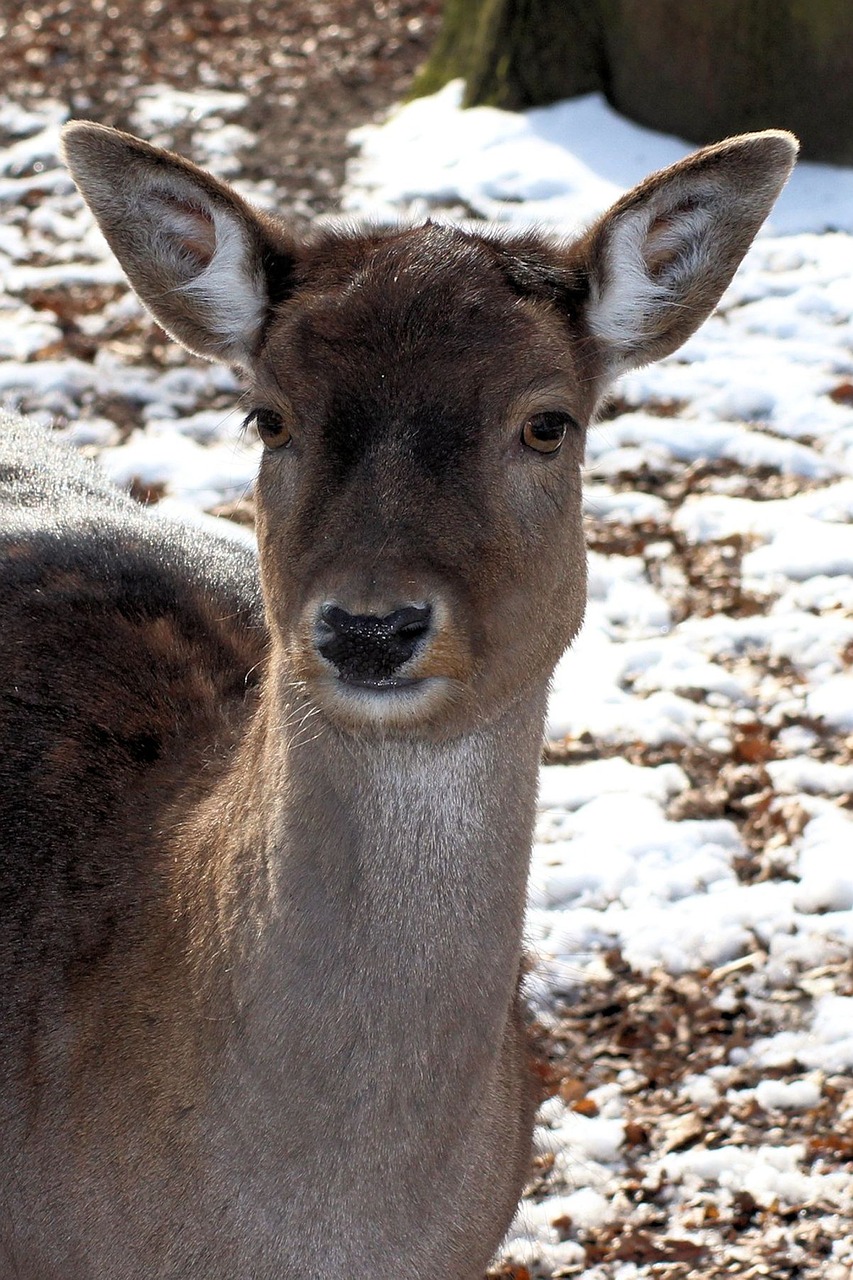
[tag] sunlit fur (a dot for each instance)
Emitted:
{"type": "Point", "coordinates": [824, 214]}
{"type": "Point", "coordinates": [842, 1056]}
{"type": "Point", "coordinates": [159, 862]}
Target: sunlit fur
{"type": "Point", "coordinates": [261, 936]}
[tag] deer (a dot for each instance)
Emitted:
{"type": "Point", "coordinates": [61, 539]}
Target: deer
{"type": "Point", "coordinates": [265, 819]}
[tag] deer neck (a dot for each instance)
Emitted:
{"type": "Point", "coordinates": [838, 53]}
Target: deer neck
{"type": "Point", "coordinates": [372, 924]}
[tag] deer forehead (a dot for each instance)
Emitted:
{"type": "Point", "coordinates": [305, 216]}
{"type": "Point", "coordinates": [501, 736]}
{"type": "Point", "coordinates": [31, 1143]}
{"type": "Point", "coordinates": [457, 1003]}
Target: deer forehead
{"type": "Point", "coordinates": [416, 334]}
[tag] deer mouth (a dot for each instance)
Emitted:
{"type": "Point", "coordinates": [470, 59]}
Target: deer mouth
{"type": "Point", "coordinates": [388, 703]}
{"type": "Point", "coordinates": [380, 684]}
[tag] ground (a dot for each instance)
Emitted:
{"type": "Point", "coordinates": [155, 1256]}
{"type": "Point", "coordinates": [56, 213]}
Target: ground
{"type": "Point", "coordinates": [314, 69]}
{"type": "Point", "coordinates": [691, 893]}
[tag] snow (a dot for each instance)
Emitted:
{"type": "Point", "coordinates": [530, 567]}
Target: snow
{"type": "Point", "coordinates": [818, 777]}
{"type": "Point", "coordinates": [688, 442]}
{"type": "Point", "coordinates": [701, 1091]}
{"type": "Point", "coordinates": [832, 702]}
{"type": "Point", "coordinates": [826, 1044]}
{"type": "Point", "coordinates": [804, 550]}
{"type": "Point", "coordinates": [161, 106]}
{"type": "Point", "coordinates": [197, 473]}
{"type": "Point", "coordinates": [768, 1173]}
{"type": "Point", "coordinates": [788, 1095]}
{"type": "Point", "coordinates": [556, 165]}
{"type": "Point", "coordinates": [760, 390]}
{"type": "Point", "coordinates": [825, 875]}
{"type": "Point", "coordinates": [570, 789]}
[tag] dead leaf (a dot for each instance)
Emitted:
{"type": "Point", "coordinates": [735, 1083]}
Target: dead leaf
{"type": "Point", "coordinates": [636, 1135]}
{"type": "Point", "coordinates": [572, 1089]}
{"type": "Point", "coordinates": [682, 1132]}
{"type": "Point", "coordinates": [842, 393]}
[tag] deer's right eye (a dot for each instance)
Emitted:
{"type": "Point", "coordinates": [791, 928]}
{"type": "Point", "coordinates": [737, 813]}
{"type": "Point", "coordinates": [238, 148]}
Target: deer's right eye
{"type": "Point", "coordinates": [271, 426]}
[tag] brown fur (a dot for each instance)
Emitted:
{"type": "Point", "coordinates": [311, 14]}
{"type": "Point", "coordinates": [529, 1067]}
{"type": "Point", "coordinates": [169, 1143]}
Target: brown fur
{"type": "Point", "coordinates": [262, 923]}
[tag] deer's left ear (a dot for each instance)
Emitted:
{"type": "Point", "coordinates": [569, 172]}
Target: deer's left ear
{"type": "Point", "coordinates": [657, 263]}
{"type": "Point", "coordinates": [201, 259]}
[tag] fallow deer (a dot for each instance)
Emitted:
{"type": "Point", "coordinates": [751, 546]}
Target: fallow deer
{"type": "Point", "coordinates": [265, 823]}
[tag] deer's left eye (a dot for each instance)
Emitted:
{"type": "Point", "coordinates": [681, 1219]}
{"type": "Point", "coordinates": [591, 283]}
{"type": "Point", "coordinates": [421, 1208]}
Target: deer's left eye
{"type": "Point", "coordinates": [271, 426]}
{"type": "Point", "coordinates": [545, 432]}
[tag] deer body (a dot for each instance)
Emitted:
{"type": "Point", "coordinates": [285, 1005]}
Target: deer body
{"type": "Point", "coordinates": [265, 826]}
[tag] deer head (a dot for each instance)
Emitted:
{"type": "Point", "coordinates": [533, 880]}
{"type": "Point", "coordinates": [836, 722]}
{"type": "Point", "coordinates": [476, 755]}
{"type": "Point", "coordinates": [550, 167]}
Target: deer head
{"type": "Point", "coordinates": [423, 395]}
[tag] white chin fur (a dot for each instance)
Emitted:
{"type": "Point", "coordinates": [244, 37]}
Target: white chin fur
{"type": "Point", "coordinates": [387, 706]}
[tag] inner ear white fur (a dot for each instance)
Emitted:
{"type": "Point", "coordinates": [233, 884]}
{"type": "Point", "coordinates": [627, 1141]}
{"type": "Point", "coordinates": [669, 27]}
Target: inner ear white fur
{"type": "Point", "coordinates": [231, 286]}
{"type": "Point", "coordinates": [208, 253]}
{"type": "Point", "coordinates": [654, 254]}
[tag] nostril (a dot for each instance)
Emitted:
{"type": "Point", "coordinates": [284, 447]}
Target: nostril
{"type": "Point", "coordinates": [337, 620]}
{"type": "Point", "coordinates": [413, 621]}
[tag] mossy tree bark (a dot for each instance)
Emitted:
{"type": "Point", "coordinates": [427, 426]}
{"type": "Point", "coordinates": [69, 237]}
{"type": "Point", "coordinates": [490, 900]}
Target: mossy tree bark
{"type": "Point", "coordinates": [702, 71]}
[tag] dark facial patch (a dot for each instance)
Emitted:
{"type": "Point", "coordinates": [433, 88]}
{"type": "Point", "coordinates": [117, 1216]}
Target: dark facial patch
{"type": "Point", "coordinates": [402, 347]}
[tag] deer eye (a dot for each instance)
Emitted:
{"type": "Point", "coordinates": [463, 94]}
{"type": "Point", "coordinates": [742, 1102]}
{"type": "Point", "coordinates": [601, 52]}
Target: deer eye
{"type": "Point", "coordinates": [545, 432]}
{"type": "Point", "coordinates": [271, 426]}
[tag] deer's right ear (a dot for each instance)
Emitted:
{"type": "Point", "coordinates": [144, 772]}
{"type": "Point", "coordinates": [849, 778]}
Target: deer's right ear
{"type": "Point", "coordinates": [199, 257]}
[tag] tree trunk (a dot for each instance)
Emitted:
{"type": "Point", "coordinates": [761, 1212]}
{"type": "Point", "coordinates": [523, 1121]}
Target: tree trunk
{"type": "Point", "coordinates": [701, 71]}
{"type": "Point", "coordinates": [513, 53]}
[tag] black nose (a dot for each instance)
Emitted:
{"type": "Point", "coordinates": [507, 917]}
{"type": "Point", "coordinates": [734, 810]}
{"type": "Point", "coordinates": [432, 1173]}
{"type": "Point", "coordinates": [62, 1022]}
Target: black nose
{"type": "Point", "coordinates": [368, 649]}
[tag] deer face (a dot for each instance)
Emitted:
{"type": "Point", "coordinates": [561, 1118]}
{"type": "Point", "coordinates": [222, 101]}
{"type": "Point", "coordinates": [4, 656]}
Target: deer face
{"type": "Point", "coordinates": [419, 501]}
{"type": "Point", "coordinates": [423, 396]}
